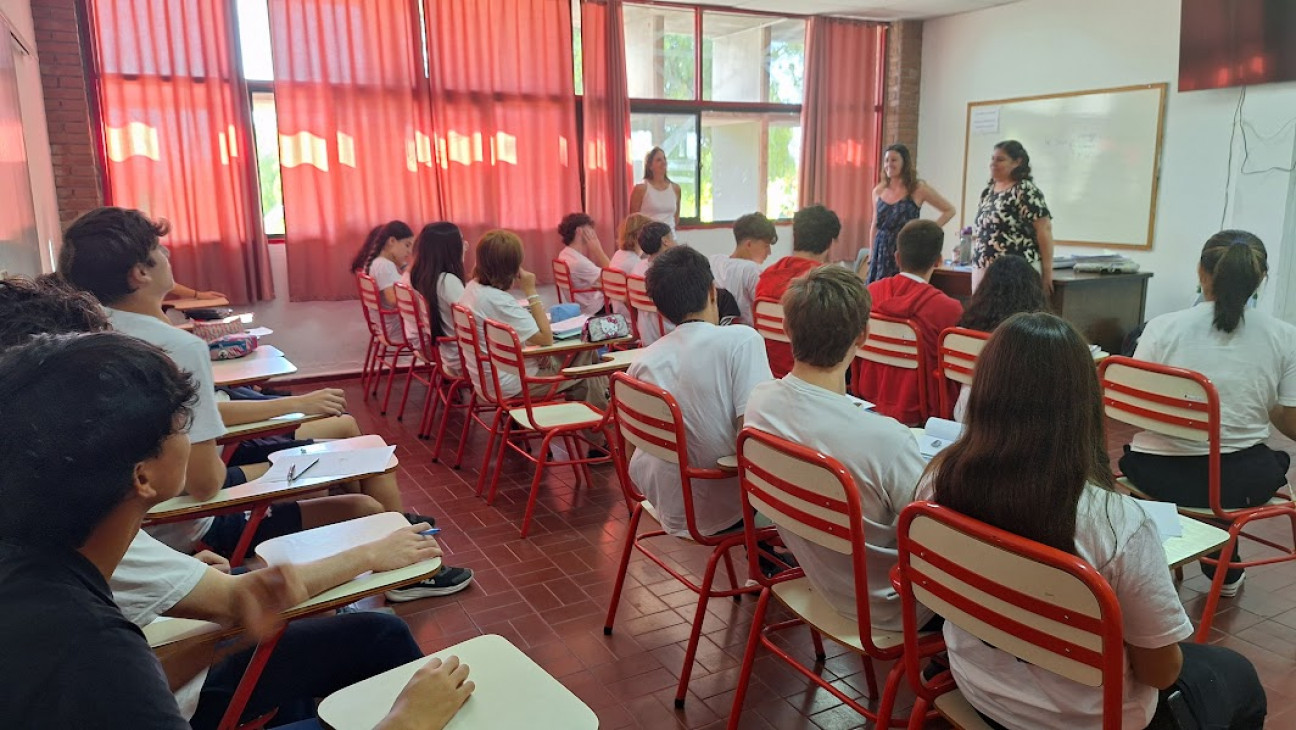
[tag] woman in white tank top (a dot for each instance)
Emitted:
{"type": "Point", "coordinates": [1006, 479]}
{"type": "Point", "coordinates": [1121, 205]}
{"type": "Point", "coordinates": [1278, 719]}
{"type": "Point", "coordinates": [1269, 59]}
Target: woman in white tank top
{"type": "Point", "coordinates": [656, 197]}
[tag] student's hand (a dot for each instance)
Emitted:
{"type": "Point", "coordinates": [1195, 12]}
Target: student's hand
{"type": "Point", "coordinates": [214, 560]}
{"type": "Point", "coordinates": [325, 401]}
{"type": "Point", "coordinates": [210, 295]}
{"type": "Point", "coordinates": [433, 696]}
{"type": "Point", "coordinates": [526, 281]}
{"type": "Point", "coordinates": [263, 595]}
{"type": "Point", "coordinates": [402, 548]}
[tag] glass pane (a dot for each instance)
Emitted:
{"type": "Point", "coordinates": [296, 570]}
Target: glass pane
{"type": "Point", "coordinates": [578, 54]}
{"type": "Point", "coordinates": [784, 164]}
{"type": "Point", "coordinates": [677, 135]}
{"type": "Point", "coordinates": [749, 164]}
{"type": "Point", "coordinates": [254, 40]}
{"type": "Point", "coordinates": [660, 52]}
{"type": "Point", "coordinates": [752, 58]}
{"type": "Point", "coordinates": [265, 127]}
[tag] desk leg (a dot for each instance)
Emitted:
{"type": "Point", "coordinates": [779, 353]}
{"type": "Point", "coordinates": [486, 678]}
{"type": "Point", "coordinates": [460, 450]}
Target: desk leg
{"type": "Point", "coordinates": [249, 531]}
{"type": "Point", "coordinates": [227, 452]}
{"type": "Point", "coordinates": [248, 683]}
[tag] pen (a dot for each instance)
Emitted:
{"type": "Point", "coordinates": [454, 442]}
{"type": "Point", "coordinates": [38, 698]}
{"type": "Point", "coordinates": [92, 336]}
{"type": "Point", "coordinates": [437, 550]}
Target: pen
{"type": "Point", "coordinates": [430, 531]}
{"type": "Point", "coordinates": [294, 474]}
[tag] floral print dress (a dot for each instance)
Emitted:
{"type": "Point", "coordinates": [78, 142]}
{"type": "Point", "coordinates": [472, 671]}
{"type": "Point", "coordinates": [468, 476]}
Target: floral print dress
{"type": "Point", "coordinates": [891, 217]}
{"type": "Point", "coordinates": [1005, 223]}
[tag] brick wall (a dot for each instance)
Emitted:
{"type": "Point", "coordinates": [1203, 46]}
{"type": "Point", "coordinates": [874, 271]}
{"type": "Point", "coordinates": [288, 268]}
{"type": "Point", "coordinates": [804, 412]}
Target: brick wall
{"type": "Point", "coordinates": [67, 111]}
{"type": "Point", "coordinates": [903, 75]}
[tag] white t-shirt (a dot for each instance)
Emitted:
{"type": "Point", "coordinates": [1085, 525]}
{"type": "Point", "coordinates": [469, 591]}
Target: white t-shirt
{"type": "Point", "coordinates": [190, 354]}
{"type": "Point", "coordinates": [585, 274]}
{"type": "Point", "coordinates": [449, 289]}
{"type": "Point", "coordinates": [738, 277]}
{"type": "Point", "coordinates": [386, 275]}
{"type": "Point", "coordinates": [151, 579]}
{"type": "Point", "coordinates": [651, 328]}
{"type": "Point", "coordinates": [886, 472]}
{"type": "Point", "coordinates": [710, 371]}
{"type": "Point", "coordinates": [624, 260]}
{"type": "Point", "coordinates": [487, 302]}
{"type": "Point", "coordinates": [1116, 536]}
{"type": "Point", "coordinates": [1253, 368]}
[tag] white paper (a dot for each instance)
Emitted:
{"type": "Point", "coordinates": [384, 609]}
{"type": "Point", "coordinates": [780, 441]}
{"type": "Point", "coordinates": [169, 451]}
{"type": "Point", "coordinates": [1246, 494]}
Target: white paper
{"type": "Point", "coordinates": [260, 331]}
{"type": "Point", "coordinates": [985, 120]}
{"type": "Point", "coordinates": [1165, 515]}
{"type": "Point", "coordinates": [938, 434]}
{"type": "Point", "coordinates": [332, 464]}
{"type": "Point", "coordinates": [568, 328]}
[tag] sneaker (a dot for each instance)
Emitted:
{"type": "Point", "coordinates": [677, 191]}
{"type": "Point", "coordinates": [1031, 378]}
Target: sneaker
{"type": "Point", "coordinates": [448, 581]}
{"type": "Point", "coordinates": [415, 518]}
{"type": "Point", "coordinates": [1231, 587]}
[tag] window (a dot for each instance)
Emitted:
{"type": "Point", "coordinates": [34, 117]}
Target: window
{"type": "Point", "coordinates": [721, 93]}
{"type": "Point", "coordinates": [265, 129]}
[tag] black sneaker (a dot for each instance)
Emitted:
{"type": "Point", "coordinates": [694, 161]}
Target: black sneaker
{"type": "Point", "coordinates": [448, 581]}
{"type": "Point", "coordinates": [415, 518]}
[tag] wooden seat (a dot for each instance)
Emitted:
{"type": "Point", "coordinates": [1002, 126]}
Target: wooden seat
{"type": "Point", "coordinates": [801, 598]}
{"type": "Point", "coordinates": [556, 415]}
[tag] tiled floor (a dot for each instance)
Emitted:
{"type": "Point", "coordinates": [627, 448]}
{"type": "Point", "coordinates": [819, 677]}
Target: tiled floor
{"type": "Point", "coordinates": [549, 594]}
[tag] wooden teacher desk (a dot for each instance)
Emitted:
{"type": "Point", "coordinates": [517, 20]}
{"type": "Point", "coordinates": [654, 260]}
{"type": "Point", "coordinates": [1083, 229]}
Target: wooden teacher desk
{"type": "Point", "coordinates": [1104, 307]}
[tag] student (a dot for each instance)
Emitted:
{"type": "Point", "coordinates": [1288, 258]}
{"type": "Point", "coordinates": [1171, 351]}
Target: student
{"type": "Point", "coordinates": [585, 259]}
{"type": "Point", "coordinates": [1250, 357]}
{"type": "Point", "coordinates": [754, 237]}
{"type": "Point", "coordinates": [711, 371]}
{"type": "Point", "coordinates": [654, 238]}
{"type": "Point", "coordinates": [910, 295]}
{"type": "Point", "coordinates": [1042, 473]}
{"type": "Point", "coordinates": [383, 256]}
{"type": "Point", "coordinates": [438, 274]}
{"type": "Point", "coordinates": [106, 449]}
{"type": "Point", "coordinates": [499, 269]}
{"type": "Point", "coordinates": [813, 231]}
{"type": "Point", "coordinates": [628, 254]}
{"type": "Point", "coordinates": [826, 315]}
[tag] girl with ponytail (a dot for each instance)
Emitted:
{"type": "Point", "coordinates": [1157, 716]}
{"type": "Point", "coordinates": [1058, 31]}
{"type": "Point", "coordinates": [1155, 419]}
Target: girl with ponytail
{"type": "Point", "coordinates": [1251, 359]}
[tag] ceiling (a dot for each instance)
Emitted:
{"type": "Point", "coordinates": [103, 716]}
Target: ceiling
{"type": "Point", "coordinates": [870, 9]}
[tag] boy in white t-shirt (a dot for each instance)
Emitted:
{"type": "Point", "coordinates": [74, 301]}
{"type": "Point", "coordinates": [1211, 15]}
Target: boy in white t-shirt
{"type": "Point", "coordinates": [754, 237]}
{"type": "Point", "coordinates": [585, 259]}
{"type": "Point", "coordinates": [826, 316]}
{"type": "Point", "coordinates": [711, 371]}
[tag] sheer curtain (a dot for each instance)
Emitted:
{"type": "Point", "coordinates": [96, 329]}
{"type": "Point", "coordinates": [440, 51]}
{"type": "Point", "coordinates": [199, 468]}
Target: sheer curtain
{"type": "Point", "coordinates": [841, 123]}
{"type": "Point", "coordinates": [503, 107]}
{"type": "Point", "coordinates": [177, 136]}
{"type": "Point", "coordinates": [605, 116]}
{"type": "Point", "coordinates": [354, 132]}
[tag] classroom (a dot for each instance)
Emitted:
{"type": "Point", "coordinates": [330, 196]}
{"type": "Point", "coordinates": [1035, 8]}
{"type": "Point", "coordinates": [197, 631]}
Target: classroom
{"type": "Point", "coordinates": [658, 363]}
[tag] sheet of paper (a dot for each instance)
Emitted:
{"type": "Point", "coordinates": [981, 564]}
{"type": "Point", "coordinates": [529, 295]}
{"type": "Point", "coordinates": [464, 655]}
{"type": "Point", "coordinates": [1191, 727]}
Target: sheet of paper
{"type": "Point", "coordinates": [938, 434]}
{"type": "Point", "coordinates": [334, 465]}
{"type": "Point", "coordinates": [261, 331]}
{"type": "Point", "coordinates": [568, 328]}
{"type": "Point", "coordinates": [985, 120]}
{"type": "Point", "coordinates": [1165, 516]}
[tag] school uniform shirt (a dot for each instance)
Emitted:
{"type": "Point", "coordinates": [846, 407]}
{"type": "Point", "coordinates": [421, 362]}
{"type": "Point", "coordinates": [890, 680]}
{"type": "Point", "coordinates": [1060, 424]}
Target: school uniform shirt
{"type": "Point", "coordinates": [585, 274]}
{"type": "Point", "coordinates": [71, 659]}
{"type": "Point", "coordinates": [881, 456]}
{"type": "Point", "coordinates": [190, 354]}
{"type": "Point", "coordinates": [739, 277]}
{"type": "Point", "coordinates": [651, 326]}
{"type": "Point", "coordinates": [487, 302]}
{"type": "Point", "coordinates": [1116, 536]}
{"type": "Point", "coordinates": [711, 371]}
{"type": "Point", "coordinates": [386, 275]}
{"type": "Point", "coordinates": [894, 390]}
{"type": "Point", "coordinates": [1253, 368]}
{"type": "Point", "coordinates": [774, 280]}
{"type": "Point", "coordinates": [449, 289]}
{"type": "Point", "coordinates": [149, 581]}
{"type": "Point", "coordinates": [624, 260]}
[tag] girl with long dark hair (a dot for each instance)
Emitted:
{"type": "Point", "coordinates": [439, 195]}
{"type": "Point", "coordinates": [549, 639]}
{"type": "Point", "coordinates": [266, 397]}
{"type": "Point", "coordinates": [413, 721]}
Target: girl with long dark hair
{"type": "Point", "coordinates": [438, 274]}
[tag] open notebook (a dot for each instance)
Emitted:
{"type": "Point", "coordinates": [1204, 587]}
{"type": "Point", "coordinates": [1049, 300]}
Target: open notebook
{"type": "Point", "coordinates": [938, 434]}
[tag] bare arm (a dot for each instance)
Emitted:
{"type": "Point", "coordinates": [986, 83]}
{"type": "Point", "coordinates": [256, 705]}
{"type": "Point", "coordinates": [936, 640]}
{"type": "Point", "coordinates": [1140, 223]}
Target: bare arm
{"type": "Point", "coordinates": [432, 697]}
{"type": "Point", "coordinates": [1044, 235]}
{"type": "Point", "coordinates": [1284, 419]}
{"type": "Point", "coordinates": [325, 401]}
{"type": "Point", "coordinates": [205, 472]}
{"type": "Point", "coordinates": [636, 197]}
{"type": "Point", "coordinates": [543, 338]}
{"type": "Point", "coordinates": [594, 249]}
{"type": "Point", "coordinates": [928, 194]}
{"type": "Point", "coordinates": [1155, 667]}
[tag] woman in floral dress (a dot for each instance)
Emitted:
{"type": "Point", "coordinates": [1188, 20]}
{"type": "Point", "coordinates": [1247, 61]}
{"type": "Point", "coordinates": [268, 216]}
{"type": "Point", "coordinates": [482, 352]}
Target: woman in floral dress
{"type": "Point", "coordinates": [1012, 217]}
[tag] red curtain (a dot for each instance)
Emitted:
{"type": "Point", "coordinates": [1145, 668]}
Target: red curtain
{"type": "Point", "coordinates": [177, 136]}
{"type": "Point", "coordinates": [354, 132]}
{"type": "Point", "coordinates": [841, 124]}
{"type": "Point", "coordinates": [503, 106]}
{"type": "Point", "coordinates": [605, 116]}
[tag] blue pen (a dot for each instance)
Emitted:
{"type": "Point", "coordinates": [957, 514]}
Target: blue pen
{"type": "Point", "coordinates": [431, 531]}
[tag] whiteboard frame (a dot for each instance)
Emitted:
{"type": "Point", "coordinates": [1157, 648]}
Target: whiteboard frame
{"type": "Point", "coordinates": [1156, 156]}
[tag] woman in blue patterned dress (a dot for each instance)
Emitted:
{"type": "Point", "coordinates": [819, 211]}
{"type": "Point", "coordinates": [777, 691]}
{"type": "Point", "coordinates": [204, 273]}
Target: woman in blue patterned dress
{"type": "Point", "coordinates": [1012, 217]}
{"type": "Point", "coordinates": [897, 200]}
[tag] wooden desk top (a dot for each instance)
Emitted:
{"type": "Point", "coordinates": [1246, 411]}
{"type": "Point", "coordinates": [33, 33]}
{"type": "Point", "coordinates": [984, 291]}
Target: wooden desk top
{"type": "Point", "coordinates": [279, 424]}
{"type": "Point", "coordinates": [184, 305]}
{"type": "Point", "coordinates": [613, 362]}
{"type": "Point", "coordinates": [512, 692]}
{"type": "Point", "coordinates": [563, 347]}
{"type": "Point", "coordinates": [264, 363]}
{"type": "Point", "coordinates": [1198, 538]}
{"type": "Point", "coordinates": [1060, 276]}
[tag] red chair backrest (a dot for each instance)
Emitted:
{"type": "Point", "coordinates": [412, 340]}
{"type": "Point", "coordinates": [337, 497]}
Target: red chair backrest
{"type": "Point", "coordinates": [768, 316]}
{"type": "Point", "coordinates": [413, 309]}
{"type": "Point", "coordinates": [959, 349]}
{"type": "Point", "coordinates": [895, 343]}
{"type": "Point", "coordinates": [615, 287]}
{"type": "Point", "coordinates": [642, 304]}
{"type": "Point", "coordinates": [562, 280]}
{"type": "Point", "coordinates": [377, 317]}
{"type": "Point", "coordinates": [474, 361]}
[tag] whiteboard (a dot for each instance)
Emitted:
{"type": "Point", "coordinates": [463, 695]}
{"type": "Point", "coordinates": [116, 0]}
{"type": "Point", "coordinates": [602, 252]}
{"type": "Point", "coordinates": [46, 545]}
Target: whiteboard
{"type": "Point", "coordinates": [1096, 156]}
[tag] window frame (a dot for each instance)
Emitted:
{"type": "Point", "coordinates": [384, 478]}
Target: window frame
{"type": "Point", "coordinates": [254, 88]}
{"type": "Point", "coordinates": [698, 106]}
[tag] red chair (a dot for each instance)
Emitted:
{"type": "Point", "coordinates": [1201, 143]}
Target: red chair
{"type": "Point", "coordinates": [642, 305]}
{"type": "Point", "coordinates": [479, 387]}
{"type": "Point", "coordinates": [893, 343]}
{"type": "Point", "coordinates": [387, 344]}
{"type": "Point", "coordinates": [959, 349]}
{"type": "Point", "coordinates": [810, 494]}
{"type": "Point", "coordinates": [616, 289]}
{"type": "Point", "coordinates": [527, 418]}
{"type": "Point", "coordinates": [1184, 404]}
{"type": "Point", "coordinates": [768, 316]}
{"type": "Point", "coordinates": [414, 313]}
{"type": "Point", "coordinates": [1039, 604]}
{"type": "Point", "coordinates": [649, 417]}
{"type": "Point", "coordinates": [563, 282]}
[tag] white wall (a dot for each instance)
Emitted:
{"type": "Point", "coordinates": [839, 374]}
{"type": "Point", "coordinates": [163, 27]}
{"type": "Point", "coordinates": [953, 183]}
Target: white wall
{"type": "Point", "coordinates": [35, 133]}
{"type": "Point", "coordinates": [1049, 46]}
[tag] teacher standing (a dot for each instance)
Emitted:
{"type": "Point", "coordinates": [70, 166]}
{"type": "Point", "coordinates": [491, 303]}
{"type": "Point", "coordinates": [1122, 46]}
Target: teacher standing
{"type": "Point", "coordinates": [1012, 218]}
{"type": "Point", "coordinates": [898, 200]}
{"type": "Point", "coordinates": [656, 197]}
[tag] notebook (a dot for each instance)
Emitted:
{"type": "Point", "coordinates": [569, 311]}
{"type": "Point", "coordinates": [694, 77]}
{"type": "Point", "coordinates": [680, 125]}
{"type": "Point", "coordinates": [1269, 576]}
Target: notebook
{"type": "Point", "coordinates": [938, 434]}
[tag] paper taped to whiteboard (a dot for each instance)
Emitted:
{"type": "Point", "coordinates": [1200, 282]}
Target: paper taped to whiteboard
{"type": "Point", "coordinates": [985, 120]}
